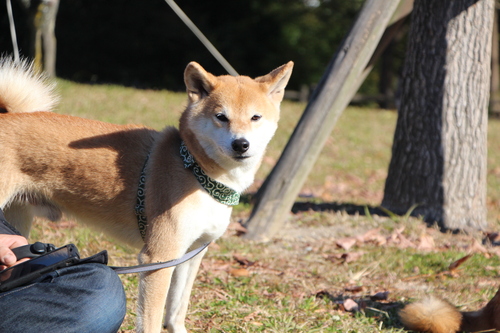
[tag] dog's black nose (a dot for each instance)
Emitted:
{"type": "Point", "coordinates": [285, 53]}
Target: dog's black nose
{"type": "Point", "coordinates": [240, 145]}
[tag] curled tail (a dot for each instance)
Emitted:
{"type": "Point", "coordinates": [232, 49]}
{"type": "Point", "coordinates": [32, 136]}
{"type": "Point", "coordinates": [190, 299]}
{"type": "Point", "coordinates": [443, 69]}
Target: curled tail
{"type": "Point", "coordinates": [431, 315]}
{"type": "Point", "coordinates": [24, 90]}
{"type": "Point", "coordinates": [437, 316]}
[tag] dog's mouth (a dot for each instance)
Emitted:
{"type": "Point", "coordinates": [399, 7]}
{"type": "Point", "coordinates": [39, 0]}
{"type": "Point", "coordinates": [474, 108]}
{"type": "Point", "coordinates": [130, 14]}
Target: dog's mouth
{"type": "Point", "coordinates": [241, 157]}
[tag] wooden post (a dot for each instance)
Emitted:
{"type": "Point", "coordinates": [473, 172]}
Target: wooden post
{"type": "Point", "coordinates": [334, 92]}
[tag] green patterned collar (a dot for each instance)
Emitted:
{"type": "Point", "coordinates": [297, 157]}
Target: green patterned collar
{"type": "Point", "coordinates": [140, 206]}
{"type": "Point", "coordinates": [218, 191]}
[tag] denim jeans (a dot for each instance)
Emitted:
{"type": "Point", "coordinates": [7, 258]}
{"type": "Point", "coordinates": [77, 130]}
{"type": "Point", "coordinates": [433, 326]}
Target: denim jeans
{"type": "Point", "coordinates": [83, 298]}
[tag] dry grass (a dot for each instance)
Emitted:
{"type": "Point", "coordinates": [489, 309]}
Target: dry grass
{"type": "Point", "coordinates": [299, 282]}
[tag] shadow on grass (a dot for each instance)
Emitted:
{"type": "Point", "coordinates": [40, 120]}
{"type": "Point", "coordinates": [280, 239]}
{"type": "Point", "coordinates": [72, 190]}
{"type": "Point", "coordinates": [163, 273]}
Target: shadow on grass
{"type": "Point", "coordinates": [365, 210]}
{"type": "Point", "coordinates": [351, 209]}
{"type": "Point", "coordinates": [369, 307]}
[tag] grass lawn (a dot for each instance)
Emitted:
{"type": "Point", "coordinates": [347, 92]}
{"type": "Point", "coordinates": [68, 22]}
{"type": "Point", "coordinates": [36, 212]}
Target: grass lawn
{"type": "Point", "coordinates": [309, 277]}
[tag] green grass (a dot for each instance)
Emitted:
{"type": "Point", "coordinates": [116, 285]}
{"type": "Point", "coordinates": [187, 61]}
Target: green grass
{"type": "Point", "coordinates": [299, 281]}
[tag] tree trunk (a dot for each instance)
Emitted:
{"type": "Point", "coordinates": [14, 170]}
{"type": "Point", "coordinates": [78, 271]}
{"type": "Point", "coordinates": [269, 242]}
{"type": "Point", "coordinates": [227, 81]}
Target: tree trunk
{"type": "Point", "coordinates": [340, 82]}
{"type": "Point", "coordinates": [49, 37]}
{"type": "Point", "coordinates": [41, 22]}
{"type": "Point", "coordinates": [439, 151]}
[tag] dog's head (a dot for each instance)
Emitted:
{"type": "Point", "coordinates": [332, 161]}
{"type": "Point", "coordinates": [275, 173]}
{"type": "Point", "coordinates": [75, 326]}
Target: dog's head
{"type": "Point", "coordinates": [231, 119]}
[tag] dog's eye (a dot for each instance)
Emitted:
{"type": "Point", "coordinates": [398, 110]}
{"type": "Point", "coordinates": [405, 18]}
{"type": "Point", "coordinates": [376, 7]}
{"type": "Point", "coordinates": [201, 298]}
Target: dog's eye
{"type": "Point", "coordinates": [222, 117]}
{"type": "Point", "coordinates": [256, 117]}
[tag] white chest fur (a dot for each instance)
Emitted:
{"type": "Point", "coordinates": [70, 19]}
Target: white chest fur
{"type": "Point", "coordinates": [203, 219]}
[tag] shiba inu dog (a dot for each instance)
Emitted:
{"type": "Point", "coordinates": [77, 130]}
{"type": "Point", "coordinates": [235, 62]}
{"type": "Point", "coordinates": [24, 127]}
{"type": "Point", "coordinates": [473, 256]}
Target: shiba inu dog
{"type": "Point", "coordinates": [179, 183]}
{"type": "Point", "coordinates": [434, 315]}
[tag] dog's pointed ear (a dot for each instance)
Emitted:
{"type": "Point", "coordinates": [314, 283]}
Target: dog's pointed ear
{"type": "Point", "coordinates": [199, 82]}
{"type": "Point", "coordinates": [276, 81]}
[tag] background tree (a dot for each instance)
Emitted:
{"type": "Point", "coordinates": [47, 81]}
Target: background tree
{"type": "Point", "coordinates": [439, 149]}
{"type": "Point", "coordinates": [34, 22]}
{"type": "Point", "coordinates": [41, 24]}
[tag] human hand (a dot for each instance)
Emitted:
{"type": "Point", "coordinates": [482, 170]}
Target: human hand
{"type": "Point", "coordinates": [8, 242]}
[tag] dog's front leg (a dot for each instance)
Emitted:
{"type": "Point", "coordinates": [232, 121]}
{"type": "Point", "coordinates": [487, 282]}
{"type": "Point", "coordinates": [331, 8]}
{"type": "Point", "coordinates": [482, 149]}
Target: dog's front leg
{"type": "Point", "coordinates": [153, 289]}
{"type": "Point", "coordinates": [179, 294]}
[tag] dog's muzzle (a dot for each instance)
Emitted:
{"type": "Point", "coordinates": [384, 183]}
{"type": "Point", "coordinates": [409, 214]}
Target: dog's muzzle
{"type": "Point", "coordinates": [240, 146]}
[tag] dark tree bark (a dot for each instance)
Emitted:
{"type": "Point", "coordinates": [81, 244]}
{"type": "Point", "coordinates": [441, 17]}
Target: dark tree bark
{"type": "Point", "coordinates": [439, 150]}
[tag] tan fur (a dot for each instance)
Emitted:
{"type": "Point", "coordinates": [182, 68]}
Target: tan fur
{"type": "Point", "coordinates": [52, 164]}
{"type": "Point", "coordinates": [431, 315]}
{"type": "Point", "coordinates": [437, 316]}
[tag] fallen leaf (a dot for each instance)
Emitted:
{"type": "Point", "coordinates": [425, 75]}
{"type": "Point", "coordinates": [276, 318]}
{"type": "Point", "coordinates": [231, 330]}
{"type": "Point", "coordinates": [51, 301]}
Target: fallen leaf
{"type": "Point", "coordinates": [251, 316]}
{"type": "Point", "coordinates": [242, 260]}
{"type": "Point", "coordinates": [380, 296]}
{"type": "Point", "coordinates": [215, 265]}
{"type": "Point", "coordinates": [354, 289]}
{"type": "Point", "coordinates": [346, 243]}
{"type": "Point", "coordinates": [267, 294]}
{"type": "Point", "coordinates": [221, 294]}
{"type": "Point", "coordinates": [454, 265]}
{"type": "Point", "coordinates": [352, 256]}
{"type": "Point", "coordinates": [368, 235]}
{"type": "Point", "coordinates": [344, 257]}
{"type": "Point", "coordinates": [426, 242]}
{"type": "Point", "coordinates": [400, 240]}
{"type": "Point", "coordinates": [350, 305]}
{"type": "Point", "coordinates": [373, 235]}
{"type": "Point", "coordinates": [238, 272]}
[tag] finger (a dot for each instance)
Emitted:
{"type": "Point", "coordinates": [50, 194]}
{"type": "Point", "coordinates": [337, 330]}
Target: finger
{"type": "Point", "coordinates": [7, 257]}
{"type": "Point", "coordinates": [8, 242]}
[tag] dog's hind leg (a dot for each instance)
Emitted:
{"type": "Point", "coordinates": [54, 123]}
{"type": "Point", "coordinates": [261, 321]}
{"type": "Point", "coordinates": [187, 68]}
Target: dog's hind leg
{"type": "Point", "coordinates": [179, 293]}
{"type": "Point", "coordinates": [20, 215]}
